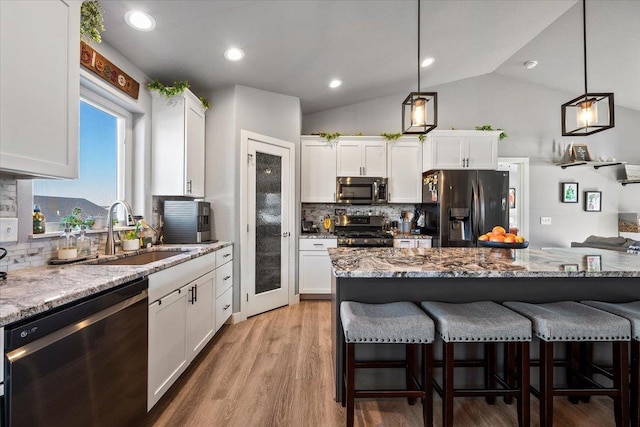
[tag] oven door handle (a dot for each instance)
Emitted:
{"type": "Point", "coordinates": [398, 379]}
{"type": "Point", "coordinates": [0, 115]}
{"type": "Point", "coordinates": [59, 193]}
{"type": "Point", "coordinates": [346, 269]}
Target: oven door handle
{"type": "Point", "coordinates": [30, 348]}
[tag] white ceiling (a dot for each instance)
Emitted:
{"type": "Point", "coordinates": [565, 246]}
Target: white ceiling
{"type": "Point", "coordinates": [297, 47]}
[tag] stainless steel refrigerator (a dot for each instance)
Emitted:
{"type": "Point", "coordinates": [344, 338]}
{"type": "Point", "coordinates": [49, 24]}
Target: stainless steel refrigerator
{"type": "Point", "coordinates": [460, 205]}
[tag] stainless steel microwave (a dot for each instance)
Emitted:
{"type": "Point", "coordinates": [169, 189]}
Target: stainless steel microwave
{"type": "Point", "coordinates": [361, 190]}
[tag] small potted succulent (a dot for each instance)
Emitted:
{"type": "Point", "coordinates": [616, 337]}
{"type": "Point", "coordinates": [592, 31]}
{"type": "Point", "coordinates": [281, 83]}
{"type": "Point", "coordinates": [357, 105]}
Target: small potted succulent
{"type": "Point", "coordinates": [130, 239]}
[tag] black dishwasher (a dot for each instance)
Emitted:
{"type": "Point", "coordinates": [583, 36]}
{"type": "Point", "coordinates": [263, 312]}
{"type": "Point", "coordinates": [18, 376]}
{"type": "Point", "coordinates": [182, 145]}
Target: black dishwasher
{"type": "Point", "coordinates": [83, 364]}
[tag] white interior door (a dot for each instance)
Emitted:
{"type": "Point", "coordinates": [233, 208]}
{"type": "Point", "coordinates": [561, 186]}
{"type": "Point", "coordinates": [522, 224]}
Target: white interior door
{"type": "Point", "coordinates": [268, 276]}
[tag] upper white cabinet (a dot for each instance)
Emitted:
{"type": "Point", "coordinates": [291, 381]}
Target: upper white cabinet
{"type": "Point", "coordinates": [359, 156]}
{"type": "Point", "coordinates": [40, 86]}
{"type": "Point", "coordinates": [178, 145]}
{"type": "Point", "coordinates": [461, 149]}
{"type": "Point", "coordinates": [404, 167]}
{"type": "Point", "coordinates": [318, 170]}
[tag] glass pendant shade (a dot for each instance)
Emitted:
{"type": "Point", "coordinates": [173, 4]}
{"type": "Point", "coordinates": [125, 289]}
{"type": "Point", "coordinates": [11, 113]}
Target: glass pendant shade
{"type": "Point", "coordinates": [420, 113]}
{"type": "Point", "coordinates": [588, 114]}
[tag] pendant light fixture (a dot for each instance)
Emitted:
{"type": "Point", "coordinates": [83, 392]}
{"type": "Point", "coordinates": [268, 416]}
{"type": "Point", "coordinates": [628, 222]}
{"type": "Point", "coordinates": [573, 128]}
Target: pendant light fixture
{"type": "Point", "coordinates": [419, 109]}
{"type": "Point", "coordinates": [591, 112]}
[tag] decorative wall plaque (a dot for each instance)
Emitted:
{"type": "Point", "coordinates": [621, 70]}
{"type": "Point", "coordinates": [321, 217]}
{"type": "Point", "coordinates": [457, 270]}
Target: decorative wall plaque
{"type": "Point", "coordinates": [103, 68]}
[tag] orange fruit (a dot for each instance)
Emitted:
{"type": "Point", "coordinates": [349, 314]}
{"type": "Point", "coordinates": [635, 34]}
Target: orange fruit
{"type": "Point", "coordinates": [519, 239]}
{"type": "Point", "coordinates": [509, 235]}
{"type": "Point", "coordinates": [498, 230]}
{"type": "Point", "coordinates": [496, 238]}
{"type": "Point", "coordinates": [484, 237]}
{"type": "Point", "coordinates": [510, 239]}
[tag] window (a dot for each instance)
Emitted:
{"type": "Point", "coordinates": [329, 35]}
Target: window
{"type": "Point", "coordinates": [102, 172]}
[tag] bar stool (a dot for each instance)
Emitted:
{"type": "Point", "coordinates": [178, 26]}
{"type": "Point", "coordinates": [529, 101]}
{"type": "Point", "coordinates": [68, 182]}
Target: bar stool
{"type": "Point", "coordinates": [392, 323]}
{"type": "Point", "coordinates": [631, 312]}
{"type": "Point", "coordinates": [569, 322]}
{"type": "Point", "coordinates": [481, 322]}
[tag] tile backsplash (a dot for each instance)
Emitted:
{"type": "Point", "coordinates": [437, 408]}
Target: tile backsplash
{"type": "Point", "coordinates": [315, 212]}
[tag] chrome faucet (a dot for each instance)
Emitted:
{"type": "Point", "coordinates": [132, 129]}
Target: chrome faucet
{"type": "Point", "coordinates": [110, 247]}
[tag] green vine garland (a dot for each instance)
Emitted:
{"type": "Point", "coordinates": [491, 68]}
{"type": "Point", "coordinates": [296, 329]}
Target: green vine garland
{"type": "Point", "coordinates": [178, 88]}
{"type": "Point", "coordinates": [91, 21]}
{"type": "Point", "coordinates": [502, 136]}
{"type": "Point", "coordinates": [329, 136]}
{"type": "Point", "coordinates": [391, 136]}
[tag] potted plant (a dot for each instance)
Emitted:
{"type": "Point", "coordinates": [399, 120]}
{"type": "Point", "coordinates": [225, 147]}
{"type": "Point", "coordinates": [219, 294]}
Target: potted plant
{"type": "Point", "coordinates": [130, 239]}
{"type": "Point", "coordinates": [76, 220]}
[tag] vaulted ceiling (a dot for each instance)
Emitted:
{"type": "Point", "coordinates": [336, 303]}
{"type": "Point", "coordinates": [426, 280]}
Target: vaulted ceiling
{"type": "Point", "coordinates": [296, 47]}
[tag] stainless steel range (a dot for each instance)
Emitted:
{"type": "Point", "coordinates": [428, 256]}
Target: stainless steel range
{"type": "Point", "coordinates": [362, 231]}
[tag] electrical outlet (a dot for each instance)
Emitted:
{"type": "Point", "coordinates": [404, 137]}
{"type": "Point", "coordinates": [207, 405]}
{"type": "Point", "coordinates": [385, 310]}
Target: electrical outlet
{"type": "Point", "coordinates": [545, 220]}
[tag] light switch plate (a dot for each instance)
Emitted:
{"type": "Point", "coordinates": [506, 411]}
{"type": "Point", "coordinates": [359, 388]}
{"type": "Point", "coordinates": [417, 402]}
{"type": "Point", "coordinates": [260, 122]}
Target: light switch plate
{"type": "Point", "coordinates": [8, 230]}
{"type": "Point", "coordinates": [545, 220]}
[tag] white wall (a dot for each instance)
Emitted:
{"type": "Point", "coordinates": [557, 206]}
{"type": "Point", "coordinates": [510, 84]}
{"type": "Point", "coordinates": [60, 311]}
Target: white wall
{"type": "Point", "coordinates": [530, 115]}
{"type": "Point", "coordinates": [234, 109]}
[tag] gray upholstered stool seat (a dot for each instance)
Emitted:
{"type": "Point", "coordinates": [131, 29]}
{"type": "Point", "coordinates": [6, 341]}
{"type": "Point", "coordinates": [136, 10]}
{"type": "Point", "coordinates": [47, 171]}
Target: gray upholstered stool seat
{"type": "Point", "coordinates": [481, 321]}
{"type": "Point", "coordinates": [631, 312]}
{"type": "Point", "coordinates": [396, 322]}
{"type": "Point", "coordinates": [392, 323]}
{"type": "Point", "coordinates": [489, 323]}
{"type": "Point", "coordinates": [576, 325]}
{"type": "Point", "coordinates": [572, 321]}
{"type": "Point", "coordinates": [628, 310]}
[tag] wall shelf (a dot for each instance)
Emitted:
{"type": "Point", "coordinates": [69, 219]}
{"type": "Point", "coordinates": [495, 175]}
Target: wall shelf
{"type": "Point", "coordinates": [629, 181]}
{"type": "Point", "coordinates": [596, 165]}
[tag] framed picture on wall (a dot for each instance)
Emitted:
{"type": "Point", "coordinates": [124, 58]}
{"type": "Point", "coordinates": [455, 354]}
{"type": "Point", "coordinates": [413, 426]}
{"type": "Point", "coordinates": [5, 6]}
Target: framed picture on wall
{"type": "Point", "coordinates": [593, 201]}
{"type": "Point", "coordinates": [512, 198]}
{"type": "Point", "coordinates": [569, 192]}
{"type": "Point", "coordinates": [580, 152]}
{"type": "Point", "coordinates": [569, 267]}
{"type": "Point", "coordinates": [593, 262]}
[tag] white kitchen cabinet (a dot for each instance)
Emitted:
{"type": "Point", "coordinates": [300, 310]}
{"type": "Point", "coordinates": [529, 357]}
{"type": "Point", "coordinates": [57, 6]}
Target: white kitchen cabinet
{"type": "Point", "coordinates": [178, 131]}
{"type": "Point", "coordinates": [404, 168]}
{"type": "Point", "coordinates": [200, 313]}
{"type": "Point", "coordinates": [411, 243]}
{"type": "Point", "coordinates": [453, 149]}
{"type": "Point", "coordinates": [362, 156]}
{"type": "Point", "coordinates": [188, 304]}
{"type": "Point", "coordinates": [314, 269]}
{"type": "Point", "coordinates": [317, 170]}
{"type": "Point", "coordinates": [40, 86]}
{"type": "Point", "coordinates": [168, 354]}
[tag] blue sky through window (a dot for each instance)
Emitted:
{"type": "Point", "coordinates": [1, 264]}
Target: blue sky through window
{"type": "Point", "coordinates": [97, 180]}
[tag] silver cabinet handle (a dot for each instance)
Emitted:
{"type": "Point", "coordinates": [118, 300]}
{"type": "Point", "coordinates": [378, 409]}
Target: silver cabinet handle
{"type": "Point", "coordinates": [318, 244]}
{"type": "Point", "coordinates": [189, 185]}
{"type": "Point", "coordinates": [286, 234]}
{"type": "Point", "coordinates": [334, 197]}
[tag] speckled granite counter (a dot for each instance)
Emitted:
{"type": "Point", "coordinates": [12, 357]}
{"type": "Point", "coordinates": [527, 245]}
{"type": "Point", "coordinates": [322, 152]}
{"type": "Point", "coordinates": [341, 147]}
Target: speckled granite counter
{"type": "Point", "coordinates": [459, 275]}
{"type": "Point", "coordinates": [482, 262]}
{"type": "Point", "coordinates": [31, 291]}
{"type": "Point", "coordinates": [317, 236]}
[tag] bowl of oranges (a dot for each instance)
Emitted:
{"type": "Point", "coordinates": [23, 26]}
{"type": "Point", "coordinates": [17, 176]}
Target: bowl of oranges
{"type": "Point", "coordinates": [499, 238]}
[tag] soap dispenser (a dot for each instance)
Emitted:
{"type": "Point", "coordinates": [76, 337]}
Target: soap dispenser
{"type": "Point", "coordinates": [84, 244]}
{"type": "Point", "coordinates": [67, 247]}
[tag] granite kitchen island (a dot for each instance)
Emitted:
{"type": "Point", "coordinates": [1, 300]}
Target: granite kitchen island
{"type": "Point", "coordinates": [458, 275]}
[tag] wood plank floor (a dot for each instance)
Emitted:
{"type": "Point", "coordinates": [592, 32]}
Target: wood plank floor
{"type": "Point", "coordinates": [275, 369]}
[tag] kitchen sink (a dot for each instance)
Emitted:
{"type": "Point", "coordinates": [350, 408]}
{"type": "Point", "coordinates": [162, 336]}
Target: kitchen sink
{"type": "Point", "coordinates": [141, 258]}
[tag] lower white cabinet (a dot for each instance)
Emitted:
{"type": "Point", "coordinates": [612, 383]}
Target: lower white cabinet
{"type": "Point", "coordinates": [411, 243]}
{"type": "Point", "coordinates": [188, 304]}
{"type": "Point", "coordinates": [314, 269]}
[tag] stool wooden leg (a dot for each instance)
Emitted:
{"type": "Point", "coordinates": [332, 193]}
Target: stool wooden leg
{"type": "Point", "coordinates": [447, 384]}
{"type": "Point", "coordinates": [350, 384]}
{"type": "Point", "coordinates": [427, 384]}
{"type": "Point", "coordinates": [490, 370]}
{"type": "Point", "coordinates": [524, 403]}
{"type": "Point", "coordinates": [411, 354]}
{"type": "Point", "coordinates": [546, 383]}
{"type": "Point", "coordinates": [621, 382]}
{"type": "Point", "coordinates": [574, 356]}
{"type": "Point", "coordinates": [509, 367]}
{"type": "Point", "coordinates": [635, 383]}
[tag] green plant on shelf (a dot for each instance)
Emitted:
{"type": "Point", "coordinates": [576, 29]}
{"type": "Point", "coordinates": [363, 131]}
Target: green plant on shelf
{"type": "Point", "coordinates": [76, 220]}
{"type": "Point", "coordinates": [391, 136]}
{"type": "Point", "coordinates": [176, 89]}
{"type": "Point", "coordinates": [91, 21]}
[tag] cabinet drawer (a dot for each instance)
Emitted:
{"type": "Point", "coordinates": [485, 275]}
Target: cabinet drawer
{"type": "Point", "coordinates": [224, 308]}
{"type": "Point", "coordinates": [224, 255]}
{"type": "Point", "coordinates": [317, 244]}
{"type": "Point", "coordinates": [224, 278]}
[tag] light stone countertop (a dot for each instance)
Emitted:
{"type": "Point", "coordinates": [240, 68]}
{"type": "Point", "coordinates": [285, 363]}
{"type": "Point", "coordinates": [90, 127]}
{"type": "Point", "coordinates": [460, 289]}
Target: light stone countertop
{"type": "Point", "coordinates": [480, 262]}
{"type": "Point", "coordinates": [31, 291]}
{"type": "Point", "coordinates": [333, 236]}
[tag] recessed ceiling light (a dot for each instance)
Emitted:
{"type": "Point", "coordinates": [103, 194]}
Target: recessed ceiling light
{"type": "Point", "coordinates": [335, 83]}
{"type": "Point", "coordinates": [427, 62]}
{"type": "Point", "coordinates": [234, 54]}
{"type": "Point", "coordinates": [140, 20]}
{"type": "Point", "coordinates": [530, 65]}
